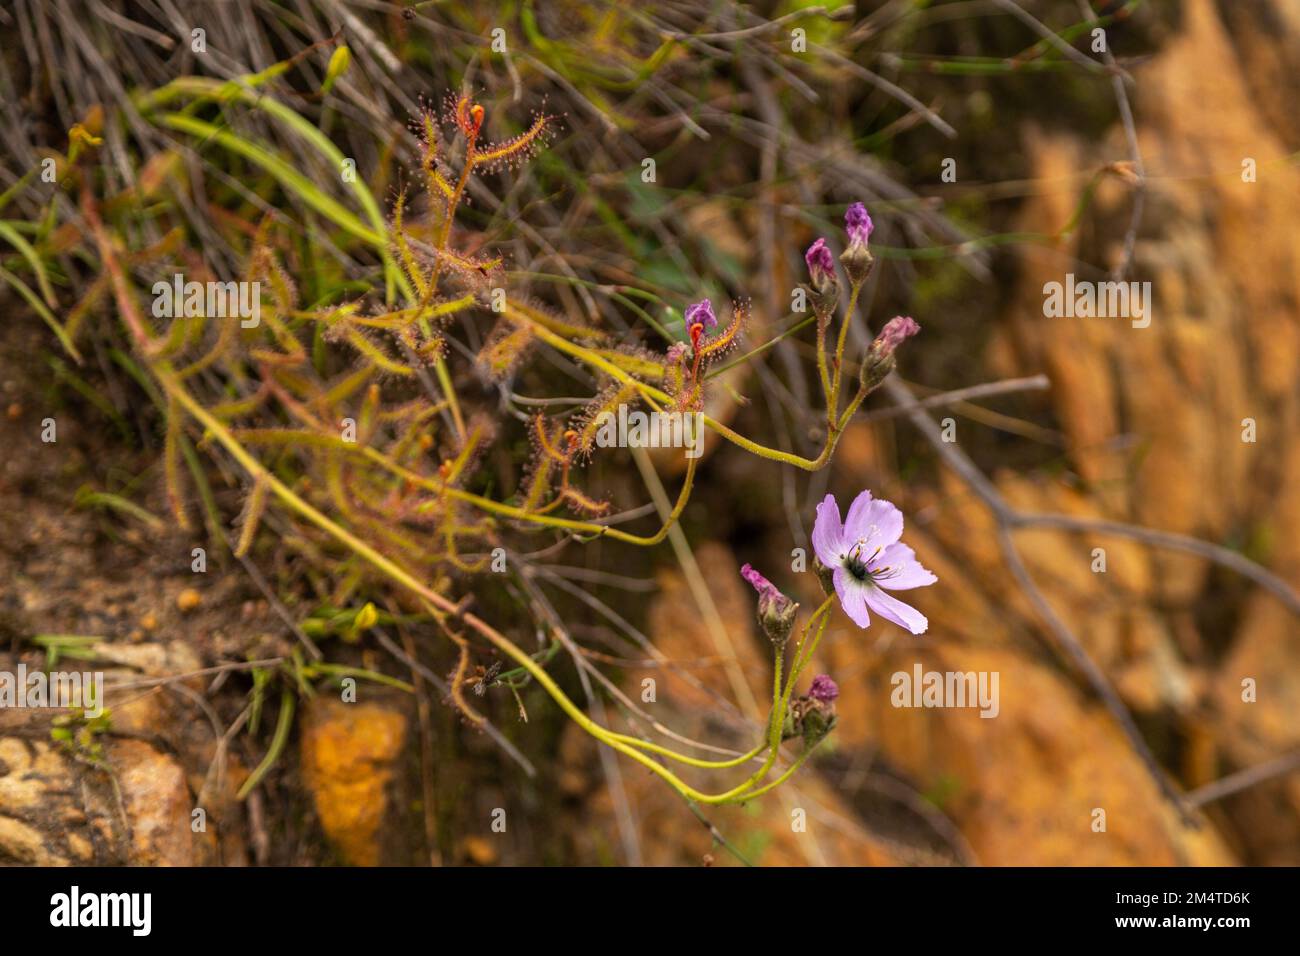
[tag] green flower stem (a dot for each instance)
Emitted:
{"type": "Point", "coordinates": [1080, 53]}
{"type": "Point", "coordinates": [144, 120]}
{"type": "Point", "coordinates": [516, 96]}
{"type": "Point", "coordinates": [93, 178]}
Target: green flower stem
{"type": "Point", "coordinates": [822, 371]}
{"type": "Point", "coordinates": [805, 649]}
{"type": "Point", "coordinates": [837, 365]}
{"type": "Point", "coordinates": [684, 758]}
{"type": "Point", "coordinates": [777, 724]}
{"type": "Point", "coordinates": [778, 711]}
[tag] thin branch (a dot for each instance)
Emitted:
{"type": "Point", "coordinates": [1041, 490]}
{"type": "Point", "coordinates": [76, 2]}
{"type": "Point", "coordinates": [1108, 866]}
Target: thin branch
{"type": "Point", "coordinates": [189, 675]}
{"type": "Point", "coordinates": [1032, 383]}
{"type": "Point", "coordinates": [714, 832]}
{"type": "Point", "coordinates": [843, 13]}
{"type": "Point", "coordinates": [1050, 35]}
{"type": "Point", "coordinates": [1135, 154]}
{"type": "Point", "coordinates": [1168, 539]}
{"type": "Point", "coordinates": [1244, 779]}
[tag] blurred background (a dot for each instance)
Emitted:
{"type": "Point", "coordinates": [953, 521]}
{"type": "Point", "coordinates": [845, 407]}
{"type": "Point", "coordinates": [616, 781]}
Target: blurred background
{"type": "Point", "coordinates": [998, 148]}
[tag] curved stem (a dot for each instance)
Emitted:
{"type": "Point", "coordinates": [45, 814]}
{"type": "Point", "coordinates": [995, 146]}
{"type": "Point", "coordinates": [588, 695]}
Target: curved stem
{"type": "Point", "coordinates": [786, 774]}
{"type": "Point", "coordinates": [686, 758]}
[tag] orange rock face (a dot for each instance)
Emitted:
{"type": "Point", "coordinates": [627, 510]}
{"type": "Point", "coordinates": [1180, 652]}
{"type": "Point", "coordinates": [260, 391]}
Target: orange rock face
{"type": "Point", "coordinates": [348, 754]}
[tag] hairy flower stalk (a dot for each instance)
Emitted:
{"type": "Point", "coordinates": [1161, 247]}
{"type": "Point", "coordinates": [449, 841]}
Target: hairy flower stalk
{"type": "Point", "coordinates": [824, 294]}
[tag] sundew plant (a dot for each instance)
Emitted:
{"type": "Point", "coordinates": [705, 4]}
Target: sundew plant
{"type": "Point", "coordinates": [421, 329]}
{"type": "Point", "coordinates": [344, 418]}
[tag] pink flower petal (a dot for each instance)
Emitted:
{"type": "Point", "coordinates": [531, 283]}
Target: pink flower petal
{"type": "Point", "coordinates": [853, 597]}
{"type": "Point", "coordinates": [875, 522]}
{"type": "Point", "coordinates": [857, 516]}
{"type": "Point", "coordinates": [892, 609]}
{"type": "Point", "coordinates": [828, 533]}
{"type": "Point", "coordinates": [904, 571]}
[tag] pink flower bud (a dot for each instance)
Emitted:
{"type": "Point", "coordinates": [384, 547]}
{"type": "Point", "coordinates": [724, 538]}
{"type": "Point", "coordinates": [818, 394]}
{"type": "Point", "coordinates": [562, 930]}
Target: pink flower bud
{"type": "Point", "coordinates": [821, 265]}
{"type": "Point", "coordinates": [857, 258]}
{"type": "Point", "coordinates": [823, 689]}
{"type": "Point", "coordinates": [879, 360]}
{"type": "Point", "coordinates": [896, 331]}
{"type": "Point", "coordinates": [858, 224]}
{"type": "Point", "coordinates": [775, 611]}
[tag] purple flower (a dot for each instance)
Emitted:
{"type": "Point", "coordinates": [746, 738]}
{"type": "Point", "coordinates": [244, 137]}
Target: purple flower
{"type": "Point", "coordinates": [858, 224]}
{"type": "Point", "coordinates": [823, 689]}
{"type": "Point", "coordinates": [866, 559]}
{"type": "Point", "coordinates": [821, 264]}
{"type": "Point", "coordinates": [701, 312]}
{"type": "Point", "coordinates": [896, 331]}
{"type": "Point", "coordinates": [775, 610]}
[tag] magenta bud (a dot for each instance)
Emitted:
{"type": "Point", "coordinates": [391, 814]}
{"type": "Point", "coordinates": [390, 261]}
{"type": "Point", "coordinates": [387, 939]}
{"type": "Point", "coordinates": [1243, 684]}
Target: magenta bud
{"type": "Point", "coordinates": [857, 258]}
{"type": "Point", "coordinates": [823, 689]}
{"type": "Point", "coordinates": [879, 361]}
{"type": "Point", "coordinates": [775, 611]}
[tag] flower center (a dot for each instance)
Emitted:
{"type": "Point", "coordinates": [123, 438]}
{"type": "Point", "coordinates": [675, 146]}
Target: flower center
{"type": "Point", "coordinates": [856, 565]}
